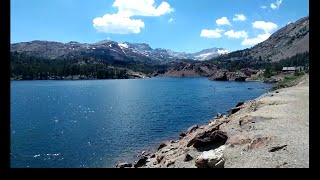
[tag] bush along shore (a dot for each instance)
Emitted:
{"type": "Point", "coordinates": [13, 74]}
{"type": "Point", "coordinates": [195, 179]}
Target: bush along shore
{"type": "Point", "coordinates": [271, 131]}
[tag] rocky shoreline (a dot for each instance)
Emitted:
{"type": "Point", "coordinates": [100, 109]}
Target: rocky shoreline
{"type": "Point", "coordinates": [213, 73]}
{"type": "Point", "coordinates": [271, 131]}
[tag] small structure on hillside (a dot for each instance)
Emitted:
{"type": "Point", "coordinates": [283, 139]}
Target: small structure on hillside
{"type": "Point", "coordinates": [288, 69]}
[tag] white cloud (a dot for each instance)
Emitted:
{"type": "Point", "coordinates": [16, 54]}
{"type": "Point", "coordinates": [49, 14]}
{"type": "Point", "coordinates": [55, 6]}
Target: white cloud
{"type": "Point", "coordinates": [130, 8]}
{"type": "Point", "coordinates": [263, 7]}
{"type": "Point", "coordinates": [123, 23]}
{"type": "Point", "coordinates": [170, 20]}
{"type": "Point", "coordinates": [253, 41]}
{"type": "Point", "coordinates": [276, 5]}
{"type": "Point", "coordinates": [239, 17]}
{"type": "Point", "coordinates": [116, 24]}
{"type": "Point", "coordinates": [236, 34]}
{"type": "Point", "coordinates": [266, 26]}
{"type": "Point", "coordinates": [211, 33]}
{"type": "Point", "coordinates": [223, 21]}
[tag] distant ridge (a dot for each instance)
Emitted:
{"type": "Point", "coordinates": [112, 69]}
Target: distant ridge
{"type": "Point", "coordinates": [110, 51]}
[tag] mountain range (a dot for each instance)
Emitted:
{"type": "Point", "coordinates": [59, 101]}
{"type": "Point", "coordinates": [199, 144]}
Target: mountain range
{"type": "Point", "coordinates": [111, 51]}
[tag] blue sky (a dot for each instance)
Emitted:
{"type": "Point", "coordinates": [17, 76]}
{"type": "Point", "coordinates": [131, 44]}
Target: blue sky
{"type": "Point", "coordinates": [180, 25]}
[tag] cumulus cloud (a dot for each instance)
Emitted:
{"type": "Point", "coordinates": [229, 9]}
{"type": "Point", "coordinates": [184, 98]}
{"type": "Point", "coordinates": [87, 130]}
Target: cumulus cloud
{"type": "Point", "coordinates": [130, 8]}
{"type": "Point", "coordinates": [266, 26]}
{"type": "Point", "coordinates": [236, 34]}
{"type": "Point", "coordinates": [276, 5]}
{"type": "Point", "coordinates": [263, 7]}
{"type": "Point", "coordinates": [211, 33]}
{"type": "Point", "coordinates": [239, 17]}
{"type": "Point", "coordinates": [223, 21]}
{"type": "Point", "coordinates": [170, 20]}
{"type": "Point", "coordinates": [123, 23]}
{"type": "Point", "coordinates": [253, 41]}
{"type": "Point", "coordinates": [116, 24]}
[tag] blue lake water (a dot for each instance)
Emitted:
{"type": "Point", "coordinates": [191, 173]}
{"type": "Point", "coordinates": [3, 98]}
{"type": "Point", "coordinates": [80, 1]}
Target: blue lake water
{"type": "Point", "coordinates": [100, 122]}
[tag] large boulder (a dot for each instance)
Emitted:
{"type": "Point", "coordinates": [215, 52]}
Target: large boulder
{"type": "Point", "coordinates": [213, 137]}
{"type": "Point", "coordinates": [211, 159]}
{"type": "Point", "coordinates": [141, 162]}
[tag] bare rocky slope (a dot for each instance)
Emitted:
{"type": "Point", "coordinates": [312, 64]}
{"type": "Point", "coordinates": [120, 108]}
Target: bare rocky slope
{"type": "Point", "coordinates": [188, 69]}
{"type": "Point", "coordinates": [271, 131]}
{"type": "Point", "coordinates": [185, 69]}
{"type": "Point", "coordinates": [285, 43]}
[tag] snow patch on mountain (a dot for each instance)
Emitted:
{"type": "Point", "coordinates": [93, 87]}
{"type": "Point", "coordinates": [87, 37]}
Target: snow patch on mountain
{"type": "Point", "coordinates": [223, 51]}
{"type": "Point", "coordinates": [202, 57]}
{"type": "Point", "coordinates": [124, 45]}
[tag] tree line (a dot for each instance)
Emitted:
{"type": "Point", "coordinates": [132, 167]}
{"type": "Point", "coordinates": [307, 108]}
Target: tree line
{"type": "Point", "coordinates": [24, 66]}
{"type": "Point", "coordinates": [29, 67]}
